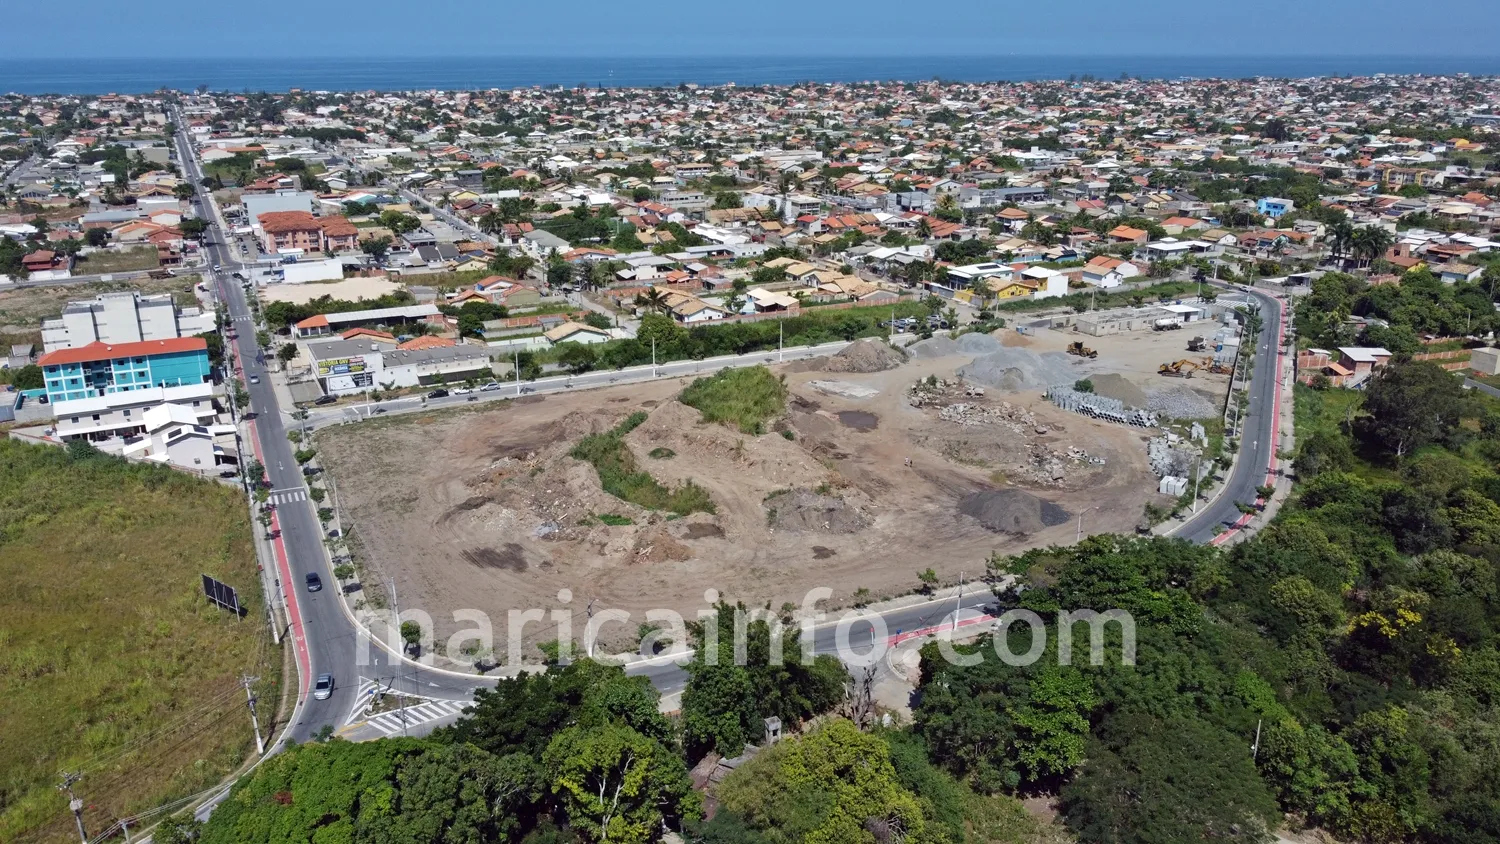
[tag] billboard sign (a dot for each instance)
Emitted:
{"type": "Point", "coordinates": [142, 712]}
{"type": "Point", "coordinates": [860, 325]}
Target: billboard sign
{"type": "Point", "coordinates": [340, 366]}
{"type": "Point", "coordinates": [222, 595]}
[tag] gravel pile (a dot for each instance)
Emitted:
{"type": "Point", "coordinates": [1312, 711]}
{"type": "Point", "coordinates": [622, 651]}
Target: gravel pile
{"type": "Point", "coordinates": [939, 346]}
{"type": "Point", "coordinates": [1116, 387]}
{"type": "Point", "coordinates": [867, 355]}
{"type": "Point", "coordinates": [1179, 403]}
{"type": "Point", "coordinates": [1016, 369]}
{"type": "Point", "coordinates": [1012, 511]}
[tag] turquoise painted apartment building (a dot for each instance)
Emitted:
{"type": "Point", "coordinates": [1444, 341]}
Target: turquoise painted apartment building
{"type": "Point", "coordinates": [100, 369]}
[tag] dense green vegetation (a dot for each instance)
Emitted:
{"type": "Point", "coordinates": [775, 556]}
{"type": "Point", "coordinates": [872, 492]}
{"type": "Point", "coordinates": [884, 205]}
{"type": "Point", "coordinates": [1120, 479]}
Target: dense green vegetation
{"type": "Point", "coordinates": [746, 398]}
{"type": "Point", "coordinates": [111, 661]}
{"type": "Point", "coordinates": [622, 477]}
{"type": "Point", "coordinates": [725, 704]}
{"type": "Point", "coordinates": [582, 746]}
{"type": "Point", "coordinates": [1421, 304]}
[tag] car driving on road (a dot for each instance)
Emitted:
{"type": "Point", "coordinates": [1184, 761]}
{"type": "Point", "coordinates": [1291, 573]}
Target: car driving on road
{"type": "Point", "coordinates": [323, 688]}
{"type": "Point", "coordinates": [314, 583]}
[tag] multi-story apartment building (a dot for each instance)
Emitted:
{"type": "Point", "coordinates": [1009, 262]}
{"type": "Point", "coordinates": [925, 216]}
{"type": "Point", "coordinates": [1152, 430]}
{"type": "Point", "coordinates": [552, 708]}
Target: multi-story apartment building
{"type": "Point", "coordinates": [123, 318]}
{"type": "Point", "coordinates": [100, 369]}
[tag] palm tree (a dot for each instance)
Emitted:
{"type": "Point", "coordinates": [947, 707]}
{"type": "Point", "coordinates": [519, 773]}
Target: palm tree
{"type": "Point", "coordinates": [1370, 242]}
{"type": "Point", "coordinates": [1340, 236]}
{"type": "Point", "coordinates": [652, 301]}
{"type": "Point", "coordinates": [924, 229]}
{"type": "Point", "coordinates": [492, 222]}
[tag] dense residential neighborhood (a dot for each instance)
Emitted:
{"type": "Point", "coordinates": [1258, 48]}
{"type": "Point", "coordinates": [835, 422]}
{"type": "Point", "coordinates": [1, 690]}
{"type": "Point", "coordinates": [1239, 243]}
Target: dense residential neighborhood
{"type": "Point", "coordinates": [311, 379]}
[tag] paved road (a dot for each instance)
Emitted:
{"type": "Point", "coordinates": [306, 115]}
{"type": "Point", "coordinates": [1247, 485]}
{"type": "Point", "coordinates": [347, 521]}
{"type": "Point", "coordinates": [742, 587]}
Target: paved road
{"type": "Point", "coordinates": [1258, 445]}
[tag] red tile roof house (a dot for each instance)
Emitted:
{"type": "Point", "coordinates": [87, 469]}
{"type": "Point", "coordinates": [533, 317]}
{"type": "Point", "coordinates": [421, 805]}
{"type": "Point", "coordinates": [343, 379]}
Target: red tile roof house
{"type": "Point", "coordinates": [301, 230]}
{"type": "Point", "coordinates": [43, 260]}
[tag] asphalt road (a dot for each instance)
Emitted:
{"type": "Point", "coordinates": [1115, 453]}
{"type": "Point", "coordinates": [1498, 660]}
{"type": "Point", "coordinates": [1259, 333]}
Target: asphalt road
{"type": "Point", "coordinates": [1258, 444]}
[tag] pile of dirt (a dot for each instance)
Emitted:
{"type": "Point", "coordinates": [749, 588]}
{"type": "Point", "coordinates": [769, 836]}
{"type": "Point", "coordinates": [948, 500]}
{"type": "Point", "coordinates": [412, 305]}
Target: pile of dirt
{"type": "Point", "coordinates": [1012, 511]}
{"type": "Point", "coordinates": [656, 545]}
{"type": "Point", "coordinates": [1017, 369]}
{"type": "Point", "coordinates": [867, 355]}
{"type": "Point", "coordinates": [1115, 386]}
{"type": "Point", "coordinates": [804, 510]}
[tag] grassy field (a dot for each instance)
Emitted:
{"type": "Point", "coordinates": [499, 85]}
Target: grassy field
{"type": "Point", "coordinates": [745, 398]}
{"type": "Point", "coordinates": [117, 261]}
{"type": "Point", "coordinates": [621, 477]}
{"type": "Point", "coordinates": [111, 661]}
{"type": "Point", "coordinates": [23, 309]}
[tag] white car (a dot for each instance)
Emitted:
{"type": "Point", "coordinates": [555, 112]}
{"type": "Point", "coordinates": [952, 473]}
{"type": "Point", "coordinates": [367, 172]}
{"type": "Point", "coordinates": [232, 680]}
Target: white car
{"type": "Point", "coordinates": [461, 391]}
{"type": "Point", "coordinates": [490, 387]}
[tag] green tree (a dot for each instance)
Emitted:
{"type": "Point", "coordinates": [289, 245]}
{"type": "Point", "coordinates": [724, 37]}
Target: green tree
{"type": "Point", "coordinates": [725, 704]}
{"type": "Point", "coordinates": [398, 222]}
{"type": "Point", "coordinates": [1175, 779]}
{"type": "Point", "coordinates": [1409, 405]}
{"type": "Point", "coordinates": [96, 237]}
{"type": "Point", "coordinates": [577, 357]}
{"type": "Point", "coordinates": [616, 784]}
{"type": "Point", "coordinates": [28, 377]}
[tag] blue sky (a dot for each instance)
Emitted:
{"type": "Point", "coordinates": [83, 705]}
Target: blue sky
{"type": "Point", "coordinates": [311, 28]}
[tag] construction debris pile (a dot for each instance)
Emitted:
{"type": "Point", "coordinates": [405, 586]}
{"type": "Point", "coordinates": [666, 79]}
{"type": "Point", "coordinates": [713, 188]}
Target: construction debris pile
{"type": "Point", "coordinates": [1180, 402]}
{"type": "Point", "coordinates": [939, 390]}
{"type": "Point", "coordinates": [1012, 511]}
{"type": "Point", "coordinates": [1100, 407]}
{"type": "Point", "coordinates": [867, 355]}
{"type": "Point", "coordinates": [1172, 456]}
{"type": "Point", "coordinates": [1017, 419]}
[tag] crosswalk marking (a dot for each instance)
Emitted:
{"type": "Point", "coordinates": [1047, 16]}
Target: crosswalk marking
{"type": "Point", "coordinates": [289, 496]}
{"type": "Point", "coordinates": [243, 318]}
{"type": "Point", "coordinates": [389, 723]}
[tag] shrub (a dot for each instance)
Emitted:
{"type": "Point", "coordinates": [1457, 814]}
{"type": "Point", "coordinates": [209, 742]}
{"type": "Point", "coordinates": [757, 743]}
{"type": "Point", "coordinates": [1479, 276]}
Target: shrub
{"type": "Point", "coordinates": [1083, 385]}
{"type": "Point", "coordinates": [746, 398]}
{"type": "Point", "coordinates": [662, 453]}
{"type": "Point", "coordinates": [615, 520]}
{"type": "Point", "coordinates": [621, 477]}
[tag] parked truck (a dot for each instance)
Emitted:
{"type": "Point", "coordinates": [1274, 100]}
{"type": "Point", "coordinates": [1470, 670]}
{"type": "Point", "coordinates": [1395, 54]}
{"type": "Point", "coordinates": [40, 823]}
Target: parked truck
{"type": "Point", "coordinates": [1167, 324]}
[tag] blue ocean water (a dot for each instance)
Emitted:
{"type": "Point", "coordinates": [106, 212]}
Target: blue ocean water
{"type": "Point", "coordinates": [138, 75]}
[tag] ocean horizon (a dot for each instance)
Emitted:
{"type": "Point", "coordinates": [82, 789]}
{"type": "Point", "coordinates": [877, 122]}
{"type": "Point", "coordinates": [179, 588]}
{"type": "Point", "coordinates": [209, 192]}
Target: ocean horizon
{"type": "Point", "coordinates": [141, 75]}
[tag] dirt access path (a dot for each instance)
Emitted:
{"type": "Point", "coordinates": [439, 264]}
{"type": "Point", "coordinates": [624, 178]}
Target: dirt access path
{"type": "Point", "coordinates": [484, 509]}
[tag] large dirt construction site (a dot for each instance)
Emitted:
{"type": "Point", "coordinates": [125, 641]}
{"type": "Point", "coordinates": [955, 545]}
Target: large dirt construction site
{"type": "Point", "coordinates": [485, 509]}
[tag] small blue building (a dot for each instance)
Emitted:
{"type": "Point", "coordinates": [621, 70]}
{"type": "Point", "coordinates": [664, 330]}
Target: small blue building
{"type": "Point", "coordinates": [100, 369]}
{"type": "Point", "coordinates": [1273, 207]}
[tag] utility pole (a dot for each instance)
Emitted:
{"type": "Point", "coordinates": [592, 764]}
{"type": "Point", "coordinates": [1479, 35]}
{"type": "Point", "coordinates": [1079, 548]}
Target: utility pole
{"type": "Point", "coordinates": [653, 356]}
{"type": "Point", "coordinates": [1255, 748]}
{"type": "Point", "coordinates": [958, 602]}
{"type": "Point", "coordinates": [517, 366]}
{"type": "Point", "coordinates": [588, 635]}
{"type": "Point", "coordinates": [781, 339]}
{"type": "Point", "coordinates": [260, 745]}
{"type": "Point", "coordinates": [74, 804]}
{"type": "Point", "coordinates": [1197, 473]}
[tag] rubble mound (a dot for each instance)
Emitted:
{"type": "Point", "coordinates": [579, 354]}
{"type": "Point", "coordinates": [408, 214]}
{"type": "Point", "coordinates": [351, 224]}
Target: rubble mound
{"type": "Point", "coordinates": [1116, 387]}
{"type": "Point", "coordinates": [867, 355]}
{"type": "Point", "coordinates": [1179, 402]}
{"type": "Point", "coordinates": [1016, 369]}
{"type": "Point", "coordinates": [803, 510]}
{"type": "Point", "coordinates": [1012, 511]}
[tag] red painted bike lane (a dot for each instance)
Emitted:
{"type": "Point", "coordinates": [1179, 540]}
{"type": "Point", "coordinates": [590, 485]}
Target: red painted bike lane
{"type": "Point", "coordinates": [283, 568]}
{"type": "Point", "coordinates": [1275, 431]}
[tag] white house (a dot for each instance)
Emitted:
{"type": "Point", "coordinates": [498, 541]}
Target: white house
{"type": "Point", "coordinates": [576, 332]}
{"type": "Point", "coordinates": [174, 435]}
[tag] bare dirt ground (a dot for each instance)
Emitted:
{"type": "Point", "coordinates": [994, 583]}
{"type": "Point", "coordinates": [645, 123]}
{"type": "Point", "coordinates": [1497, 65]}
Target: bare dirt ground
{"type": "Point", "coordinates": [484, 509]}
{"type": "Point", "coordinates": [1136, 355]}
